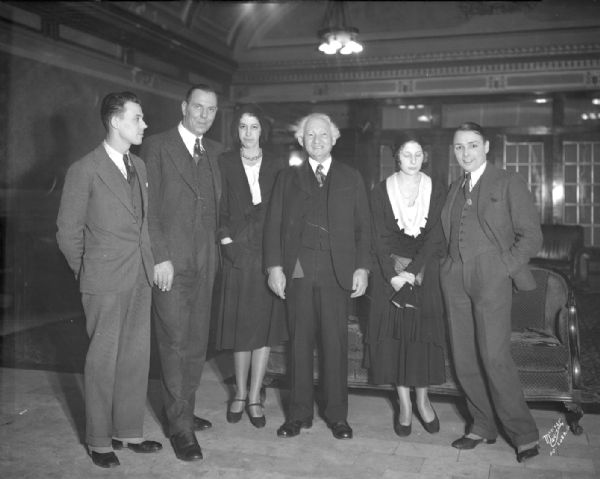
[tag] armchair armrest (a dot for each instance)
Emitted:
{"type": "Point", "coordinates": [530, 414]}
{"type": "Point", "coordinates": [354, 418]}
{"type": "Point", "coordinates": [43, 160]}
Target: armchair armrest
{"type": "Point", "coordinates": [573, 333]}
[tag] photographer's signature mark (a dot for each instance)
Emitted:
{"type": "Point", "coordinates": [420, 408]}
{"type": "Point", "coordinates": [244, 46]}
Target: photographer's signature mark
{"type": "Point", "coordinates": [556, 435]}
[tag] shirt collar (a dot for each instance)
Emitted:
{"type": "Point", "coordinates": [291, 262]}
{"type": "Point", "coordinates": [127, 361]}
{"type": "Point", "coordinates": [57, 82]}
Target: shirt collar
{"type": "Point", "coordinates": [326, 165]}
{"type": "Point", "coordinates": [475, 175]}
{"type": "Point", "coordinates": [114, 155]}
{"type": "Point", "coordinates": [189, 139]}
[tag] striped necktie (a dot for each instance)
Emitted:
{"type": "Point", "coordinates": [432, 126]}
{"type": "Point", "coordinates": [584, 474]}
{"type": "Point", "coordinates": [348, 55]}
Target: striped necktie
{"type": "Point", "coordinates": [320, 175]}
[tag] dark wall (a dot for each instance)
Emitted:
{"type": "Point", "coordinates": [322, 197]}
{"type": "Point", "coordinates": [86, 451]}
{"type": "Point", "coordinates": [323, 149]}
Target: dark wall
{"type": "Point", "coordinates": [52, 117]}
{"type": "Point", "coordinates": [49, 119]}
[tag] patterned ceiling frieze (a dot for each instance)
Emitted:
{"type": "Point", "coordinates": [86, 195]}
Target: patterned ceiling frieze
{"type": "Point", "coordinates": [383, 72]}
{"type": "Point", "coordinates": [535, 51]}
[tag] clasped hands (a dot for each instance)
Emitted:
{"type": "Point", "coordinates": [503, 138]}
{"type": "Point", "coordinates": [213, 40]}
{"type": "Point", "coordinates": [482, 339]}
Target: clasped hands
{"type": "Point", "coordinates": [401, 279]}
{"type": "Point", "coordinates": [277, 281]}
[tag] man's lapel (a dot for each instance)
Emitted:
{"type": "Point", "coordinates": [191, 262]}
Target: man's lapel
{"type": "Point", "coordinates": [181, 159]}
{"type": "Point", "coordinates": [113, 178]}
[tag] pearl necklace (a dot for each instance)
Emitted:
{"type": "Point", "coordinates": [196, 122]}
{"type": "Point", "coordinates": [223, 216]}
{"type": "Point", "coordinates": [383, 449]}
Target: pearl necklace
{"type": "Point", "coordinates": [251, 158]}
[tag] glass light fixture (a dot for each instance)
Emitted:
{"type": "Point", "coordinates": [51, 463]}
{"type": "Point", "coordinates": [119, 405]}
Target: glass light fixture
{"type": "Point", "coordinates": [336, 36]}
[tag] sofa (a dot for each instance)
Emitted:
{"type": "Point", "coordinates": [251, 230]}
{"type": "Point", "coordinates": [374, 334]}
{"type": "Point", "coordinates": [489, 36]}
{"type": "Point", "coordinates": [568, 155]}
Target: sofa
{"type": "Point", "coordinates": [544, 344]}
{"type": "Point", "coordinates": [563, 249]}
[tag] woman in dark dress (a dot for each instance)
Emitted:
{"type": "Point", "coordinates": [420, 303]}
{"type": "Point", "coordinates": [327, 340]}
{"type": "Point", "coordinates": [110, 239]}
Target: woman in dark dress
{"type": "Point", "coordinates": [251, 318]}
{"type": "Point", "coordinates": [406, 341]}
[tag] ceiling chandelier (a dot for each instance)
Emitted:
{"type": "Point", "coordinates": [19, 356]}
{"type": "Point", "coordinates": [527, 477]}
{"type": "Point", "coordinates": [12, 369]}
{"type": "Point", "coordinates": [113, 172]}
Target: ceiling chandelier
{"type": "Point", "coordinates": [335, 34]}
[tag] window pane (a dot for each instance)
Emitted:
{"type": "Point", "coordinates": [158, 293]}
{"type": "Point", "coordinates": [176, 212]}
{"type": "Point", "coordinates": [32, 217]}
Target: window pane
{"type": "Point", "coordinates": [523, 153]}
{"type": "Point", "coordinates": [585, 173]}
{"type": "Point", "coordinates": [597, 193]}
{"type": "Point", "coordinates": [524, 171]}
{"type": "Point", "coordinates": [571, 215]}
{"type": "Point", "coordinates": [570, 174]}
{"type": "Point", "coordinates": [585, 215]}
{"type": "Point", "coordinates": [585, 193]}
{"type": "Point", "coordinates": [585, 153]}
{"type": "Point", "coordinates": [570, 152]}
{"type": "Point", "coordinates": [537, 153]}
{"type": "Point", "coordinates": [570, 194]}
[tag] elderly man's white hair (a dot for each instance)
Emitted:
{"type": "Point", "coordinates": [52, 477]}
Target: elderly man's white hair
{"type": "Point", "coordinates": [299, 127]}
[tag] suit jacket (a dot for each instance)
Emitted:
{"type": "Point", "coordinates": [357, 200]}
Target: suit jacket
{"type": "Point", "coordinates": [508, 217]}
{"type": "Point", "coordinates": [98, 231]}
{"type": "Point", "coordinates": [239, 218]}
{"type": "Point", "coordinates": [174, 195]}
{"type": "Point", "coordinates": [347, 212]}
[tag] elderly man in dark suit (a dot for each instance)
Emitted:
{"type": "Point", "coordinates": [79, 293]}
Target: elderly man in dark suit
{"type": "Point", "coordinates": [185, 187]}
{"type": "Point", "coordinates": [317, 247]}
{"type": "Point", "coordinates": [103, 233]}
{"type": "Point", "coordinates": [492, 228]}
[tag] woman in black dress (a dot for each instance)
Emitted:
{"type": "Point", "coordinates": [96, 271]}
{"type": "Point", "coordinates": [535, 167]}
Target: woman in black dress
{"type": "Point", "coordinates": [251, 318]}
{"type": "Point", "coordinates": [406, 340]}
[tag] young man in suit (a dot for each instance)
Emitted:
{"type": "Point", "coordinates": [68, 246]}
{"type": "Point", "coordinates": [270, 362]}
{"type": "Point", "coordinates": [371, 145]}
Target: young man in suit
{"type": "Point", "coordinates": [103, 233]}
{"type": "Point", "coordinates": [185, 186]}
{"type": "Point", "coordinates": [317, 251]}
{"type": "Point", "coordinates": [492, 229]}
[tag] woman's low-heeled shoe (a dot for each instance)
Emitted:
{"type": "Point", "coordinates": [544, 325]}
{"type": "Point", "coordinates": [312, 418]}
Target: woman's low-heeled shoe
{"type": "Point", "coordinates": [233, 417]}
{"type": "Point", "coordinates": [257, 421]}
{"type": "Point", "coordinates": [432, 426]}
{"type": "Point", "coordinates": [402, 430]}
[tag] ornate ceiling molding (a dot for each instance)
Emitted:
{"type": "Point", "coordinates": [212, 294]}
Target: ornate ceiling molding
{"type": "Point", "coordinates": [533, 58]}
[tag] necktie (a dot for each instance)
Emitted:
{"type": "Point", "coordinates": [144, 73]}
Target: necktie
{"type": "Point", "coordinates": [129, 168]}
{"type": "Point", "coordinates": [199, 152]}
{"type": "Point", "coordinates": [320, 175]}
{"type": "Point", "coordinates": [467, 184]}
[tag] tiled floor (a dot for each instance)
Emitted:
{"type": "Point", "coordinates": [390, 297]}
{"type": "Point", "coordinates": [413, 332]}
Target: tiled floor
{"type": "Point", "coordinates": [41, 426]}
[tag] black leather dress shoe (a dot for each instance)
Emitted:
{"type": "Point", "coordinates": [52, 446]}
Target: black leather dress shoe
{"type": "Point", "coordinates": [105, 459]}
{"type": "Point", "coordinates": [201, 424]}
{"type": "Point", "coordinates": [341, 430]}
{"type": "Point", "coordinates": [468, 443]}
{"type": "Point", "coordinates": [186, 446]}
{"type": "Point", "coordinates": [292, 428]}
{"type": "Point", "coordinates": [143, 447]}
{"type": "Point", "coordinates": [528, 453]}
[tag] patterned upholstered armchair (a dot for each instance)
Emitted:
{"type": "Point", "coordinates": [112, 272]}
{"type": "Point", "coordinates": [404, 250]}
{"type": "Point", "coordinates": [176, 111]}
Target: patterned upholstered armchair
{"type": "Point", "coordinates": [544, 344]}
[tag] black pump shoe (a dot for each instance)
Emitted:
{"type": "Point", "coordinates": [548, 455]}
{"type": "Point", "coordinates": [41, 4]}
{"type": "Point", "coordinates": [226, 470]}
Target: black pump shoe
{"type": "Point", "coordinates": [233, 417]}
{"type": "Point", "coordinates": [402, 430]}
{"type": "Point", "coordinates": [257, 421]}
{"type": "Point", "coordinates": [433, 426]}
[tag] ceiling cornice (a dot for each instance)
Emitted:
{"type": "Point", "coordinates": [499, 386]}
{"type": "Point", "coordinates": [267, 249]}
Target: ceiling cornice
{"type": "Point", "coordinates": [466, 62]}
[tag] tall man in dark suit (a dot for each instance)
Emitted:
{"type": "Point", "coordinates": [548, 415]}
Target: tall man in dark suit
{"type": "Point", "coordinates": [185, 187]}
{"type": "Point", "coordinates": [103, 233]}
{"type": "Point", "coordinates": [492, 228]}
{"type": "Point", "coordinates": [317, 253]}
